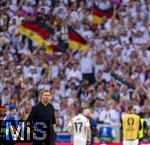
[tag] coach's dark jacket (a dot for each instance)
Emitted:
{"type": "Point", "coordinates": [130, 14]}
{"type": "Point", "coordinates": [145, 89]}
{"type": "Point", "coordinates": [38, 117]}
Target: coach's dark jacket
{"type": "Point", "coordinates": [42, 113]}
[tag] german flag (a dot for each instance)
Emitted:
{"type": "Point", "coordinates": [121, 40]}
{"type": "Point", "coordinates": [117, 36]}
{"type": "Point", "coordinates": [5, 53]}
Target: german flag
{"type": "Point", "coordinates": [100, 16]}
{"type": "Point", "coordinates": [37, 32]}
{"type": "Point", "coordinates": [2, 112]}
{"type": "Point", "coordinates": [76, 41]}
{"type": "Point", "coordinates": [50, 49]}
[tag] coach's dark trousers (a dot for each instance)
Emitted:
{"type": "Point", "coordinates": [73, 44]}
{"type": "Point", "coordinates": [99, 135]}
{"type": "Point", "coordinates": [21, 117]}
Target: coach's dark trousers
{"type": "Point", "coordinates": [44, 142]}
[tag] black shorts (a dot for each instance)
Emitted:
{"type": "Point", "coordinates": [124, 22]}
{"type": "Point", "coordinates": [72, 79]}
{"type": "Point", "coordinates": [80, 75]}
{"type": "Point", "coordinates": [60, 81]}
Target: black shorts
{"type": "Point", "coordinates": [45, 142]}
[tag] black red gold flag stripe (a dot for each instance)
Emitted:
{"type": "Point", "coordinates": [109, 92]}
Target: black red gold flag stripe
{"type": "Point", "coordinates": [76, 41]}
{"type": "Point", "coordinates": [100, 16]}
{"type": "Point", "coordinates": [38, 33]}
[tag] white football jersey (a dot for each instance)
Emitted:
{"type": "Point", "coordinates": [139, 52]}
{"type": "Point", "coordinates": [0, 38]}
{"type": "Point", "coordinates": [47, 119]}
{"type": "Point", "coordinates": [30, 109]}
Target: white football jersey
{"type": "Point", "coordinates": [80, 124]}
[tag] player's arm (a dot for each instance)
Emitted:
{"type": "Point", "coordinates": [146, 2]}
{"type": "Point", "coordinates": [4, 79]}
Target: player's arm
{"type": "Point", "coordinates": [54, 127]}
{"type": "Point", "coordinates": [69, 127]}
{"type": "Point", "coordinates": [53, 120]}
{"type": "Point", "coordinates": [88, 135]}
{"type": "Point", "coordinates": [88, 131]}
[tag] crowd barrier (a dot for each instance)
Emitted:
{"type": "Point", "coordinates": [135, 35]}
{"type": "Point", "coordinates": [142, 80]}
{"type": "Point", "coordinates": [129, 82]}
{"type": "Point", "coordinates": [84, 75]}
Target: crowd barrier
{"type": "Point", "coordinates": [65, 137]}
{"type": "Point", "coordinates": [94, 144]}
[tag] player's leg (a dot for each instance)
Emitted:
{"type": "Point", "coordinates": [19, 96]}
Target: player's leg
{"type": "Point", "coordinates": [79, 143]}
{"type": "Point", "coordinates": [135, 142]}
{"type": "Point", "coordinates": [126, 142]}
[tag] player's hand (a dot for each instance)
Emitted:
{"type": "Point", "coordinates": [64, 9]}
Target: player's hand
{"type": "Point", "coordinates": [34, 134]}
{"type": "Point", "coordinates": [88, 141]}
{"type": "Point", "coordinates": [21, 138]}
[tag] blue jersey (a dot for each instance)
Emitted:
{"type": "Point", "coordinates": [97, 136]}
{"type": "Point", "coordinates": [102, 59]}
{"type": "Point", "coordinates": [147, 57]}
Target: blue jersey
{"type": "Point", "coordinates": [10, 117]}
{"type": "Point", "coordinates": [93, 127]}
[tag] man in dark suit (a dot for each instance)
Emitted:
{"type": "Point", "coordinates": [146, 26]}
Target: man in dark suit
{"type": "Point", "coordinates": [43, 112]}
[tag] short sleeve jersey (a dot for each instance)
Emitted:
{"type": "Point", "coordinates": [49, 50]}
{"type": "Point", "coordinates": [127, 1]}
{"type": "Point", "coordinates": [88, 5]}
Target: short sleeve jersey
{"type": "Point", "coordinates": [80, 124]}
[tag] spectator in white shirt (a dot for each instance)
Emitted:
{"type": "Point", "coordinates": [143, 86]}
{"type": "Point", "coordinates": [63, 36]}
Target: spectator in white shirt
{"type": "Point", "coordinates": [75, 74]}
{"type": "Point", "coordinates": [86, 65]}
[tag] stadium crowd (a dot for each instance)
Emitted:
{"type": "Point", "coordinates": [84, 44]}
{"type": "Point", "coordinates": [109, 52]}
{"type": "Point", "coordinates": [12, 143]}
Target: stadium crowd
{"type": "Point", "coordinates": [114, 72]}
